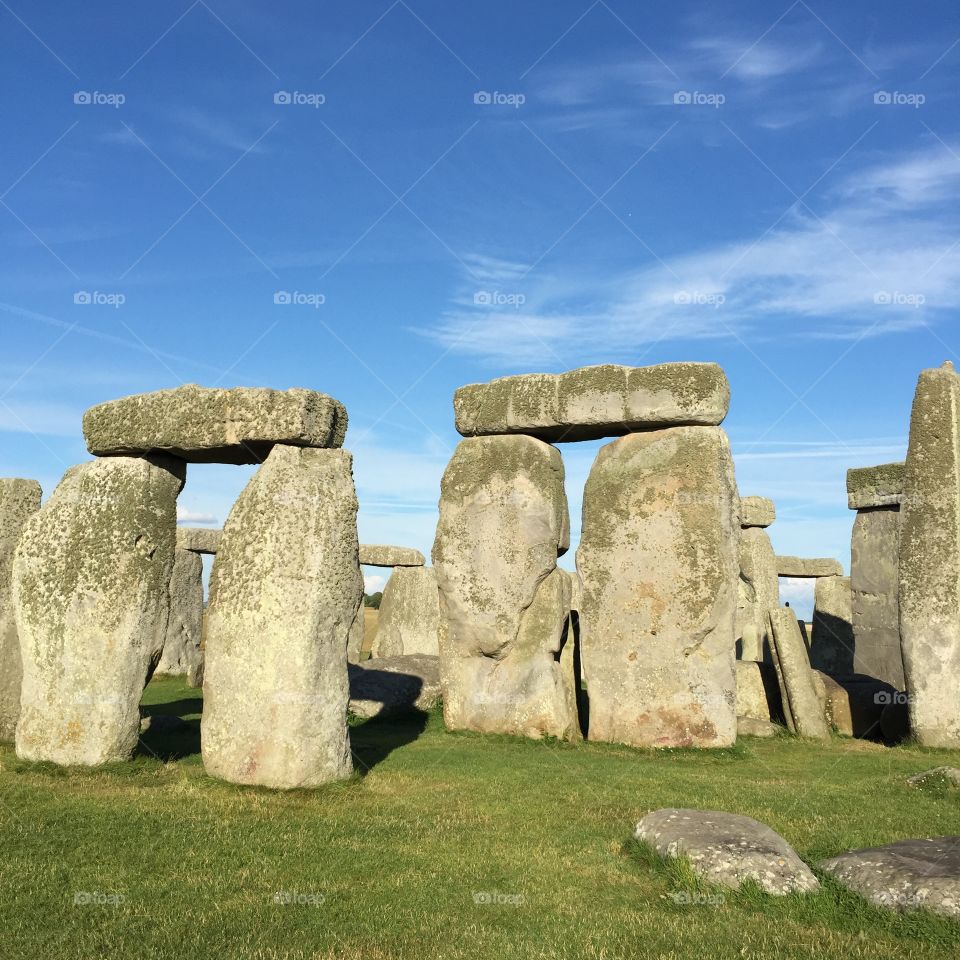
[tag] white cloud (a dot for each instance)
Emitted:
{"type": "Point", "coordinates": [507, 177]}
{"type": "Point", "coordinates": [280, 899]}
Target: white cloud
{"type": "Point", "coordinates": [190, 516]}
{"type": "Point", "coordinates": [374, 583]}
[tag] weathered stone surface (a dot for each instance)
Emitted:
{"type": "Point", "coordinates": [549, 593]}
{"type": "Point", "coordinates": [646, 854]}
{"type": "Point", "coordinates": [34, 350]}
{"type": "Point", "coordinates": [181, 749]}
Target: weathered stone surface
{"type": "Point", "coordinates": [390, 685]}
{"type": "Point", "coordinates": [832, 644]}
{"type": "Point", "coordinates": [658, 560]}
{"type": "Point", "coordinates": [213, 425]}
{"type": "Point", "coordinates": [757, 512]}
{"type": "Point", "coordinates": [752, 727]}
{"type": "Point", "coordinates": [758, 592]}
{"type": "Point", "coordinates": [357, 634]}
{"type": "Point", "coordinates": [91, 577]}
{"type": "Point", "coordinates": [381, 555]}
{"type": "Point", "coordinates": [801, 705]}
{"type": "Point", "coordinates": [803, 568]}
{"type": "Point", "coordinates": [283, 594]}
{"type": "Point", "coordinates": [195, 671]}
{"type": "Point", "coordinates": [594, 402]}
{"type": "Point", "coordinates": [880, 486]}
{"type": "Point", "coordinates": [906, 875]}
{"type": "Point", "coordinates": [727, 849]}
{"type": "Point", "coordinates": [503, 604]}
{"type": "Point", "coordinates": [19, 500]}
{"type": "Point", "coordinates": [199, 539]}
{"type": "Point", "coordinates": [181, 646]}
{"type": "Point", "coordinates": [874, 561]}
{"type": "Point", "coordinates": [930, 560]}
{"type": "Point", "coordinates": [949, 776]}
{"type": "Point", "coordinates": [409, 620]}
{"type": "Point", "coordinates": [853, 705]}
{"type": "Point", "coordinates": [753, 690]}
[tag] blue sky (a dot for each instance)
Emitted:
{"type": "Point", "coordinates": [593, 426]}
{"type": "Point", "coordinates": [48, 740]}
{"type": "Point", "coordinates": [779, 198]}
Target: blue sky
{"type": "Point", "coordinates": [453, 192]}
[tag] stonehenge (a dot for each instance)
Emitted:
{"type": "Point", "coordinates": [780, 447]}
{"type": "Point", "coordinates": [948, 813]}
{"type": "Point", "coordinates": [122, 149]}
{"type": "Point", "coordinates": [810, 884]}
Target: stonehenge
{"type": "Point", "coordinates": [380, 555]}
{"type": "Point", "coordinates": [181, 644]}
{"type": "Point", "coordinates": [409, 614]}
{"type": "Point", "coordinates": [759, 585]}
{"type": "Point", "coordinates": [199, 539]}
{"type": "Point", "coordinates": [832, 640]}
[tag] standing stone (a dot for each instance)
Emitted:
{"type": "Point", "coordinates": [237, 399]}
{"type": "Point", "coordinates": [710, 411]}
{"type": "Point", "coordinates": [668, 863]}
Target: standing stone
{"type": "Point", "coordinates": [181, 646]}
{"type": "Point", "coordinates": [91, 582]}
{"type": "Point", "coordinates": [759, 591]}
{"type": "Point", "coordinates": [756, 691]}
{"type": "Point", "coordinates": [832, 643]}
{"type": "Point", "coordinates": [19, 499]}
{"type": "Point", "coordinates": [504, 605]}
{"type": "Point", "coordinates": [930, 560]}
{"type": "Point", "coordinates": [357, 633]}
{"type": "Point", "coordinates": [801, 704]}
{"type": "Point", "coordinates": [658, 560]}
{"type": "Point", "coordinates": [874, 560]}
{"type": "Point", "coordinates": [409, 620]}
{"type": "Point", "coordinates": [283, 594]}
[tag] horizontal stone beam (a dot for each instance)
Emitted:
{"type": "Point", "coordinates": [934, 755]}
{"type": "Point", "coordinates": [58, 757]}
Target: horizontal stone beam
{"type": "Point", "coordinates": [802, 568]}
{"type": "Point", "coordinates": [381, 555]}
{"type": "Point", "coordinates": [880, 486]}
{"type": "Point", "coordinates": [757, 512]}
{"type": "Point", "coordinates": [211, 425]}
{"type": "Point", "coordinates": [198, 539]}
{"type": "Point", "coordinates": [594, 402]}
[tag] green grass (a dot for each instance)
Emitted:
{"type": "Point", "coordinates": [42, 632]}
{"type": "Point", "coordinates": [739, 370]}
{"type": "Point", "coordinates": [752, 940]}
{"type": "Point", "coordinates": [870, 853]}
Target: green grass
{"type": "Point", "coordinates": [392, 863]}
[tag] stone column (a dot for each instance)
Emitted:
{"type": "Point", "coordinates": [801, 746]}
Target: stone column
{"type": "Point", "coordinates": [759, 586]}
{"type": "Point", "coordinates": [832, 642]}
{"type": "Point", "coordinates": [409, 620]}
{"type": "Point", "coordinates": [181, 646]}
{"type": "Point", "coordinates": [929, 571]}
{"type": "Point", "coordinates": [355, 640]}
{"type": "Point", "coordinates": [283, 595]}
{"type": "Point", "coordinates": [503, 603]}
{"type": "Point", "coordinates": [91, 580]}
{"type": "Point", "coordinates": [658, 560]}
{"type": "Point", "coordinates": [19, 499]}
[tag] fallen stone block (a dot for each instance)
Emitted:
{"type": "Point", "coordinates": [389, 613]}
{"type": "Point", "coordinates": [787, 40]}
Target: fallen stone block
{"type": "Point", "coordinates": [798, 693]}
{"type": "Point", "coordinates": [199, 539]}
{"type": "Point", "coordinates": [757, 512]}
{"type": "Point", "coordinates": [594, 402]}
{"type": "Point", "coordinates": [880, 486]}
{"type": "Point", "coordinates": [754, 727]}
{"type": "Point", "coordinates": [949, 776]}
{"type": "Point", "coordinates": [906, 875]}
{"type": "Point", "coordinates": [853, 705]}
{"type": "Point", "coordinates": [213, 425]}
{"type": "Point", "coordinates": [727, 849]}
{"type": "Point", "coordinates": [381, 555]}
{"type": "Point", "coordinates": [803, 568]}
{"type": "Point", "coordinates": [392, 685]}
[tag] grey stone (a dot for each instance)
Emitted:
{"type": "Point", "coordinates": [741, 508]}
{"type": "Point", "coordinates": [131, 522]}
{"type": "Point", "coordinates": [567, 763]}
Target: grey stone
{"type": "Point", "coordinates": [214, 425]}
{"type": "Point", "coordinates": [754, 727]}
{"type": "Point", "coordinates": [409, 620]}
{"type": "Point", "coordinates": [947, 775]}
{"type": "Point", "coordinates": [727, 849]}
{"type": "Point", "coordinates": [181, 645]}
{"type": "Point", "coordinates": [283, 594]}
{"type": "Point", "coordinates": [874, 562]}
{"type": "Point", "coordinates": [162, 723]}
{"type": "Point", "coordinates": [757, 512]}
{"type": "Point", "coordinates": [594, 402]}
{"type": "Point", "coordinates": [658, 561]}
{"type": "Point", "coordinates": [19, 500]}
{"type": "Point", "coordinates": [832, 643]}
{"type": "Point", "coordinates": [906, 875]}
{"type": "Point", "coordinates": [802, 568]}
{"type": "Point", "coordinates": [195, 671]}
{"type": "Point", "coordinates": [381, 555]}
{"type": "Point", "coordinates": [199, 539]}
{"type": "Point", "coordinates": [357, 634]}
{"type": "Point", "coordinates": [753, 690]}
{"type": "Point", "coordinates": [758, 592]}
{"type": "Point", "coordinates": [91, 581]}
{"type": "Point", "coordinates": [930, 560]}
{"type": "Point", "coordinates": [880, 486]}
{"type": "Point", "coordinates": [392, 685]}
{"type": "Point", "coordinates": [504, 606]}
{"type": "Point", "coordinates": [853, 705]}
{"type": "Point", "coordinates": [801, 705]}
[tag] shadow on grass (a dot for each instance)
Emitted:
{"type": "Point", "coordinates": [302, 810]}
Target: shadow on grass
{"type": "Point", "coordinates": [373, 740]}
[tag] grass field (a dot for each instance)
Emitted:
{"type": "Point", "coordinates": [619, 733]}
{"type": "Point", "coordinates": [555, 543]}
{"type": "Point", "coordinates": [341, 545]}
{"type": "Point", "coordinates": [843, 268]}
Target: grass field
{"type": "Point", "coordinates": [446, 845]}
